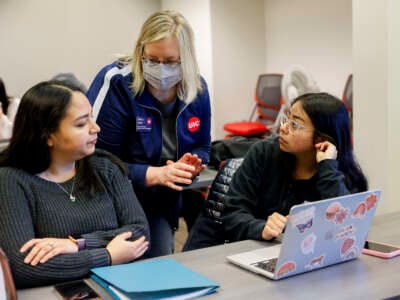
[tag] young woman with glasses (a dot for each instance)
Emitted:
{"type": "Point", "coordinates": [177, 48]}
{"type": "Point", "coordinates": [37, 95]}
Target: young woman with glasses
{"type": "Point", "coordinates": [311, 160]}
{"type": "Point", "coordinates": [153, 108]}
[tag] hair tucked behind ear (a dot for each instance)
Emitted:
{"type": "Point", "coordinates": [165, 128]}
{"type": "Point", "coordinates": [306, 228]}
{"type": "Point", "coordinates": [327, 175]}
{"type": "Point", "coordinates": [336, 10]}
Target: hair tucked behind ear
{"type": "Point", "coordinates": [330, 117]}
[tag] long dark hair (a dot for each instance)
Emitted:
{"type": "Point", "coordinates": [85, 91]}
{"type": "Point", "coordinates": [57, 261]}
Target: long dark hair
{"type": "Point", "coordinates": [3, 97]}
{"type": "Point", "coordinates": [40, 113]}
{"type": "Point", "coordinates": [331, 121]}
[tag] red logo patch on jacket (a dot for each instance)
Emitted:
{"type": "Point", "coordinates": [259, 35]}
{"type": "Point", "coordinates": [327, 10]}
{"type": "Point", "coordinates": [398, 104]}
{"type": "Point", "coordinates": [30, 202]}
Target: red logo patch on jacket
{"type": "Point", "coordinates": [193, 124]}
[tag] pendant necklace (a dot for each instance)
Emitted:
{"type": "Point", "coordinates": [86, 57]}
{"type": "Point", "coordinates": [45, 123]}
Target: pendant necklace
{"type": "Point", "coordinates": [71, 196]}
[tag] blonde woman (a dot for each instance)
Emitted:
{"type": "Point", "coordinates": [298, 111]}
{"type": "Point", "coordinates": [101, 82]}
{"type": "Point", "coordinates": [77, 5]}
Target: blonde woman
{"type": "Point", "coordinates": [154, 111]}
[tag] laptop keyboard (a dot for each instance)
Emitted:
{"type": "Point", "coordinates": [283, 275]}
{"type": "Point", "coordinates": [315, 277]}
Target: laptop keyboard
{"type": "Point", "coordinates": [268, 265]}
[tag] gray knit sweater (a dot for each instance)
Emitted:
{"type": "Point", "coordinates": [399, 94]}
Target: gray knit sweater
{"type": "Point", "coordinates": [31, 207]}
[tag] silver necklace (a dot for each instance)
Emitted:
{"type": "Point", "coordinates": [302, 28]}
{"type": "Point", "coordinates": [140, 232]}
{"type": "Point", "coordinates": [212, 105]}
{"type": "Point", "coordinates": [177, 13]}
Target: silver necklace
{"type": "Point", "coordinates": [71, 196]}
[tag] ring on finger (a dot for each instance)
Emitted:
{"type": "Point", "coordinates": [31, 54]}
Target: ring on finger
{"type": "Point", "coordinates": [51, 245]}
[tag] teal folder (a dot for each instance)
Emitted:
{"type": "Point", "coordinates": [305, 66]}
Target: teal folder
{"type": "Point", "coordinates": [153, 279]}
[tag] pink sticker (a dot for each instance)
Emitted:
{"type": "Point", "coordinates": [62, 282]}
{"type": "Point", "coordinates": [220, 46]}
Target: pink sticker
{"type": "Point", "coordinates": [346, 246]}
{"type": "Point", "coordinates": [360, 210]}
{"type": "Point", "coordinates": [308, 244]}
{"type": "Point", "coordinates": [341, 216]}
{"type": "Point", "coordinates": [345, 231]}
{"type": "Point", "coordinates": [351, 253]}
{"type": "Point", "coordinates": [286, 268]}
{"type": "Point", "coordinates": [370, 201]}
{"type": "Point", "coordinates": [332, 210]}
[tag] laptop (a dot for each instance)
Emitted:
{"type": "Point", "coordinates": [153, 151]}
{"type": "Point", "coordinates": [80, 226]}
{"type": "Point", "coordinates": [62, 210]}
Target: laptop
{"type": "Point", "coordinates": [317, 234]}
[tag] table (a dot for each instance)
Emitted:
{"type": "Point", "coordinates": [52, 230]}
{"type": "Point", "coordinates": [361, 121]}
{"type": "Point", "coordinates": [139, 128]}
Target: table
{"type": "Point", "coordinates": [365, 278]}
{"type": "Point", "coordinates": [205, 178]}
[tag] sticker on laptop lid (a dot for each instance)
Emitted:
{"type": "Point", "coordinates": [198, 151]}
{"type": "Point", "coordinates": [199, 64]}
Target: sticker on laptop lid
{"type": "Point", "coordinates": [308, 244]}
{"type": "Point", "coordinates": [286, 268]}
{"type": "Point", "coordinates": [303, 219]}
{"type": "Point", "coordinates": [349, 249]}
{"type": "Point", "coordinates": [335, 212]}
{"type": "Point", "coordinates": [315, 262]}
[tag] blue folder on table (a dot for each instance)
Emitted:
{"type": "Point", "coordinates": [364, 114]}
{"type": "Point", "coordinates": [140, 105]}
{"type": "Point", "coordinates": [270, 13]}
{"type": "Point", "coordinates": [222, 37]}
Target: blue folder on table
{"type": "Point", "coordinates": [153, 279]}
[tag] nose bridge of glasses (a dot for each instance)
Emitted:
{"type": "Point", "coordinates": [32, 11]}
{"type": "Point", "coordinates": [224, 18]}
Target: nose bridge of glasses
{"type": "Point", "coordinates": [292, 126]}
{"type": "Point", "coordinates": [284, 120]}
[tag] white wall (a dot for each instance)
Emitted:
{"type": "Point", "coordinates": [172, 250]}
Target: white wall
{"type": "Point", "coordinates": [376, 31]}
{"type": "Point", "coordinates": [393, 125]}
{"type": "Point", "coordinates": [250, 38]}
{"type": "Point", "coordinates": [238, 42]}
{"type": "Point", "coordinates": [41, 38]}
{"type": "Point", "coordinates": [313, 33]}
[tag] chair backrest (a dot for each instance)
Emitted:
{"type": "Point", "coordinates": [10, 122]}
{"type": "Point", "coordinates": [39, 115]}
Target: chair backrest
{"type": "Point", "coordinates": [7, 287]}
{"type": "Point", "coordinates": [208, 230]}
{"type": "Point", "coordinates": [348, 94]}
{"type": "Point", "coordinates": [268, 97]}
{"type": "Point", "coordinates": [347, 98]}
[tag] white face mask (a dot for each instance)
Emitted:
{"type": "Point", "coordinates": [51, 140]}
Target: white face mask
{"type": "Point", "coordinates": [161, 76]}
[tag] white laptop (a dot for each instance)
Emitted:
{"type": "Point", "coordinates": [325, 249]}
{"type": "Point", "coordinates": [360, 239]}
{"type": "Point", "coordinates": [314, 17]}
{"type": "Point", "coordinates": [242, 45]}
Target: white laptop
{"type": "Point", "coordinates": [318, 234]}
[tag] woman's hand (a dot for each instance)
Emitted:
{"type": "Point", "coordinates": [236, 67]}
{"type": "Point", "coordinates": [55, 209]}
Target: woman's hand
{"type": "Point", "coordinates": [274, 226]}
{"type": "Point", "coordinates": [325, 150]}
{"type": "Point", "coordinates": [41, 250]}
{"type": "Point", "coordinates": [191, 159]}
{"type": "Point", "coordinates": [122, 251]}
{"type": "Point", "coordinates": [175, 173]}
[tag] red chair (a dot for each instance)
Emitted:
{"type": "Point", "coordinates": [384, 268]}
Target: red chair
{"type": "Point", "coordinates": [268, 104]}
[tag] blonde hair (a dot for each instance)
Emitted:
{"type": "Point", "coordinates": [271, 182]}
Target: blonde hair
{"type": "Point", "coordinates": [158, 26]}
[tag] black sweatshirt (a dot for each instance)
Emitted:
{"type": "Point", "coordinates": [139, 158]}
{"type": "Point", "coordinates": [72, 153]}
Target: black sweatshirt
{"type": "Point", "coordinates": [263, 185]}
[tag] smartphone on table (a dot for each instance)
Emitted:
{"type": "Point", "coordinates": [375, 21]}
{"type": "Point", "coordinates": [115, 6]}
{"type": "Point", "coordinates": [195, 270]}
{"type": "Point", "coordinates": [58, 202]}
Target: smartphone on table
{"type": "Point", "coordinates": [382, 250]}
{"type": "Point", "coordinates": [76, 290]}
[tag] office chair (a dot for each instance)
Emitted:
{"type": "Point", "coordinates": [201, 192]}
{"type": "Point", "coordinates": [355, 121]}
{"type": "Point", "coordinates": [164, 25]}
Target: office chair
{"type": "Point", "coordinates": [347, 98]}
{"type": "Point", "coordinates": [268, 104]}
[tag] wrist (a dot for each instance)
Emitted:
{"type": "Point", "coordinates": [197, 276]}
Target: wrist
{"type": "Point", "coordinates": [81, 243]}
{"type": "Point", "coordinates": [109, 257]}
{"type": "Point", "coordinates": [153, 176]}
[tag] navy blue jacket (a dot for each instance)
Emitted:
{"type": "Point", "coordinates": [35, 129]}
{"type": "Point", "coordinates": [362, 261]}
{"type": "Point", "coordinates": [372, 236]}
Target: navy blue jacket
{"type": "Point", "coordinates": [131, 129]}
